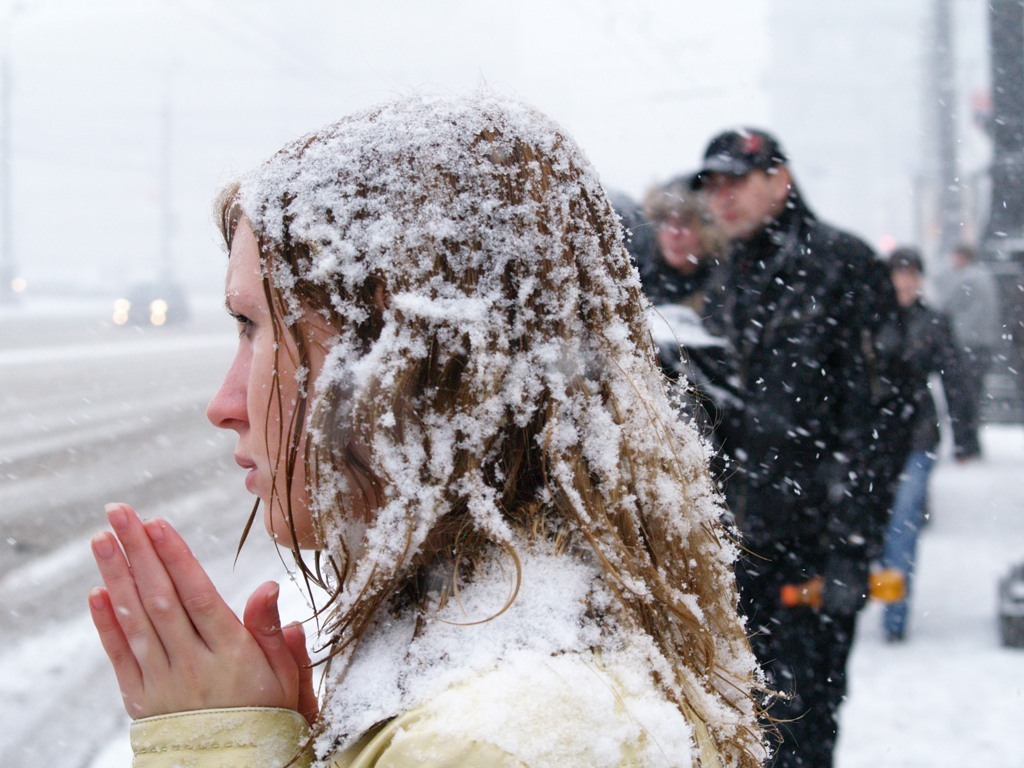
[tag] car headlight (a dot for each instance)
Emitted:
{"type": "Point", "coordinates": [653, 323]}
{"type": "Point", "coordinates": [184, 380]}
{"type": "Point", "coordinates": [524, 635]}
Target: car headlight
{"type": "Point", "coordinates": [122, 308]}
{"type": "Point", "coordinates": [158, 312]}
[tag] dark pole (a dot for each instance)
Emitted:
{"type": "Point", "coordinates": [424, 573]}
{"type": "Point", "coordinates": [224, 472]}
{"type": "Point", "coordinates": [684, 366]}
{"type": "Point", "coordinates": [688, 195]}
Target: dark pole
{"type": "Point", "coordinates": [1002, 249]}
{"type": "Point", "coordinates": [1006, 218]}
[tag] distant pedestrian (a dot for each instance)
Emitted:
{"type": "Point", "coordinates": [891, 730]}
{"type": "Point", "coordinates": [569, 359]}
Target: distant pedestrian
{"type": "Point", "coordinates": [801, 304]}
{"type": "Point", "coordinates": [968, 294]}
{"type": "Point", "coordinates": [927, 346]}
{"type": "Point", "coordinates": [688, 245]}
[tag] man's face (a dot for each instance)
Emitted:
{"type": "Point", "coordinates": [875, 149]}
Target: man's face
{"type": "Point", "coordinates": [907, 282]}
{"type": "Point", "coordinates": [742, 205]}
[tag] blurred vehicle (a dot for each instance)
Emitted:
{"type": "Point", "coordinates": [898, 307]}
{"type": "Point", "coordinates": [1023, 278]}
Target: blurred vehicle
{"type": "Point", "coordinates": [152, 303]}
{"type": "Point", "coordinates": [1011, 608]}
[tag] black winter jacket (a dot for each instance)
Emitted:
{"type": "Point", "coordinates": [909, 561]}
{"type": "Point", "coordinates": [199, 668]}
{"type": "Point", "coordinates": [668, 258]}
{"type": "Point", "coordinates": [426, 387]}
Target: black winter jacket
{"type": "Point", "coordinates": [926, 345]}
{"type": "Point", "coordinates": [801, 304]}
{"type": "Point", "coordinates": [664, 285]}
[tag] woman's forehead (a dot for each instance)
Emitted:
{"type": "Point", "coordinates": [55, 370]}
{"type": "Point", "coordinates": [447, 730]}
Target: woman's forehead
{"type": "Point", "coordinates": [244, 271]}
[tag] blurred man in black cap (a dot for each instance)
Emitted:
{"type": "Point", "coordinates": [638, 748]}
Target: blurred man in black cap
{"type": "Point", "coordinates": [803, 306]}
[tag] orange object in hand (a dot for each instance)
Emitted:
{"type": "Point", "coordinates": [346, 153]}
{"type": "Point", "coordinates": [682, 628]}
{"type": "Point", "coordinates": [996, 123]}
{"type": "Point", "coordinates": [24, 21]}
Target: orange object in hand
{"type": "Point", "coordinates": [807, 594]}
{"type": "Point", "coordinates": [886, 585]}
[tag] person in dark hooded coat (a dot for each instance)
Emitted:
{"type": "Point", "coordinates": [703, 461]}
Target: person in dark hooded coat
{"type": "Point", "coordinates": [928, 346]}
{"type": "Point", "coordinates": [804, 308]}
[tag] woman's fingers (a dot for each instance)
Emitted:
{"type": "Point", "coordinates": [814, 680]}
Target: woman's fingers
{"type": "Point", "coordinates": [126, 604]}
{"type": "Point", "coordinates": [284, 649]}
{"type": "Point", "coordinates": [115, 644]}
{"type": "Point", "coordinates": [295, 639]}
{"type": "Point", "coordinates": [207, 613]}
{"type": "Point", "coordinates": [174, 643]}
{"type": "Point", "coordinates": [161, 594]}
{"type": "Point", "coordinates": [263, 621]}
{"type": "Point", "coordinates": [154, 586]}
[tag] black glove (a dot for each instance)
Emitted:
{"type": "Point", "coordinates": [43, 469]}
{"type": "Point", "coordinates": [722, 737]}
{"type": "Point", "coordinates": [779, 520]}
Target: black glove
{"type": "Point", "coordinates": [846, 582]}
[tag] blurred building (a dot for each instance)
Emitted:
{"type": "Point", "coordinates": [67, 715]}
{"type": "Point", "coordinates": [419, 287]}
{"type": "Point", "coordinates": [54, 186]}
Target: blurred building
{"type": "Point", "coordinates": [854, 97]}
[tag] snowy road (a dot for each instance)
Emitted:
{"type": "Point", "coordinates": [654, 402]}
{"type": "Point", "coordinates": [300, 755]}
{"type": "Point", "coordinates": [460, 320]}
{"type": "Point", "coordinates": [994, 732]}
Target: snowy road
{"type": "Point", "coordinates": [91, 413]}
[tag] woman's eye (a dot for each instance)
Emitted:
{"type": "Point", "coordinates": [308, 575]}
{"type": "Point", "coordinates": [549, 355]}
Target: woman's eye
{"type": "Point", "coordinates": [245, 326]}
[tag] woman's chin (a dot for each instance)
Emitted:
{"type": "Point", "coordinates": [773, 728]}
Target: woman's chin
{"type": "Point", "coordinates": [281, 534]}
{"type": "Point", "coordinates": [277, 529]}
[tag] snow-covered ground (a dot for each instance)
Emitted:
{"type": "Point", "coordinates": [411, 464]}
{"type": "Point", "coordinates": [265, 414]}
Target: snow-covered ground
{"type": "Point", "coordinates": [951, 695]}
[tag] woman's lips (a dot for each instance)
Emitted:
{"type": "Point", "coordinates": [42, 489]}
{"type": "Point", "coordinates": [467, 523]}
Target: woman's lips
{"type": "Point", "coordinates": [250, 476]}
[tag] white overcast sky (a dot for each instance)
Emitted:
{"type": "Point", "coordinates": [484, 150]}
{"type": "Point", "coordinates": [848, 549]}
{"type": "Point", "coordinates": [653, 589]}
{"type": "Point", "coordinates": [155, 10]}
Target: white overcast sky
{"type": "Point", "coordinates": [642, 84]}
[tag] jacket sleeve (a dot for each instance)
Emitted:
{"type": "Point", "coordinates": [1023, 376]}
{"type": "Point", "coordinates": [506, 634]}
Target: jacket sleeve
{"type": "Point", "coordinates": [245, 737]}
{"type": "Point", "coordinates": [255, 737]}
{"type": "Point", "coordinates": [949, 362]}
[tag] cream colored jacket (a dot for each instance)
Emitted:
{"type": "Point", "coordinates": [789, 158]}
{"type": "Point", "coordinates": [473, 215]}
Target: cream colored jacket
{"type": "Point", "coordinates": [270, 738]}
{"type": "Point", "coordinates": [567, 711]}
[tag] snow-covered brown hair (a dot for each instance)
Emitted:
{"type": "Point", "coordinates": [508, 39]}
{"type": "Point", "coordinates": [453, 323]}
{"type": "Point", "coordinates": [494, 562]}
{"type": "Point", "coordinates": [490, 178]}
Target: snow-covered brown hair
{"type": "Point", "coordinates": [493, 375]}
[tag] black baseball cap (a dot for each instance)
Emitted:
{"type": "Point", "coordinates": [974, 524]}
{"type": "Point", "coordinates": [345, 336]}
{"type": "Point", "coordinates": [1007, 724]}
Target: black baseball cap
{"type": "Point", "coordinates": [906, 257]}
{"type": "Point", "coordinates": [738, 152]}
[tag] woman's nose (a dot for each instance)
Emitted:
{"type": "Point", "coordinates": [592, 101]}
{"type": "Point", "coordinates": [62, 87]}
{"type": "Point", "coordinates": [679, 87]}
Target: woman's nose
{"type": "Point", "coordinates": [227, 409]}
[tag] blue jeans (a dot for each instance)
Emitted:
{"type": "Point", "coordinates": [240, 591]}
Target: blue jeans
{"type": "Point", "coordinates": [901, 536]}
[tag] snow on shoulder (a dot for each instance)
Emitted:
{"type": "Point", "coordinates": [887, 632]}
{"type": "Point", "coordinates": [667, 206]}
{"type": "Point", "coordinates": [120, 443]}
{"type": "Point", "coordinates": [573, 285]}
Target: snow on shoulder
{"type": "Point", "coordinates": [473, 672]}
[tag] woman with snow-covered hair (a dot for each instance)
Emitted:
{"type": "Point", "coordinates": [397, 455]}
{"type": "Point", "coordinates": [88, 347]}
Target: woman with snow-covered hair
{"type": "Point", "coordinates": [687, 245]}
{"type": "Point", "coordinates": [444, 387]}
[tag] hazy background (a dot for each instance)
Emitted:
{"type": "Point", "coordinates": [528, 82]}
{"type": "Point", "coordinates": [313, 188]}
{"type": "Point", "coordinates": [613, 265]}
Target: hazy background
{"type": "Point", "coordinates": [126, 116]}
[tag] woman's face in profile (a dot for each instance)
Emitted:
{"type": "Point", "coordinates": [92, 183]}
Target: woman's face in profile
{"type": "Point", "coordinates": [257, 407]}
